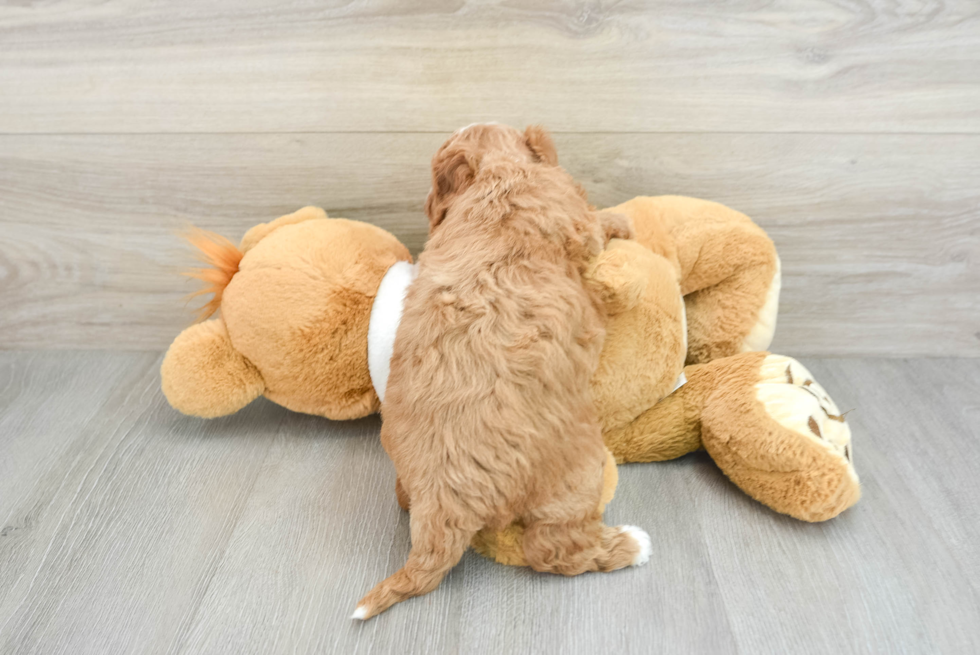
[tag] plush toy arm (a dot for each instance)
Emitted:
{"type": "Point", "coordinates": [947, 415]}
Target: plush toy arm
{"type": "Point", "coordinates": [262, 230]}
{"type": "Point", "coordinates": [618, 275]}
{"type": "Point", "coordinates": [203, 375]}
{"type": "Point", "coordinates": [616, 226]}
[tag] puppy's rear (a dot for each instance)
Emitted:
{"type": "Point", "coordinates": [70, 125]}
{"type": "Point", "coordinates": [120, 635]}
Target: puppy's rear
{"type": "Point", "coordinates": [487, 415]}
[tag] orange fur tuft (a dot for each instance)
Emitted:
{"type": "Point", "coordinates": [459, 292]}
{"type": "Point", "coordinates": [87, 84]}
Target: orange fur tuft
{"type": "Point", "coordinates": [222, 258]}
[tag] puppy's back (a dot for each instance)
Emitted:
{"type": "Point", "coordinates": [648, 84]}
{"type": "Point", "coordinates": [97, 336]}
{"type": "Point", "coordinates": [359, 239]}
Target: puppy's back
{"type": "Point", "coordinates": [499, 340]}
{"type": "Point", "coordinates": [487, 415]}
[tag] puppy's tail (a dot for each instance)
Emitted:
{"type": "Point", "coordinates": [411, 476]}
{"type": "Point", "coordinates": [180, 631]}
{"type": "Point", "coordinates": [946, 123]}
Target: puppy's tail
{"type": "Point", "coordinates": [436, 548]}
{"type": "Point", "coordinates": [222, 258]}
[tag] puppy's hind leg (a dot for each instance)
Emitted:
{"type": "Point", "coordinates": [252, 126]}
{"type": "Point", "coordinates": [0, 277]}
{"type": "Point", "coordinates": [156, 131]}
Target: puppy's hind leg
{"type": "Point", "coordinates": [571, 548]}
{"type": "Point", "coordinates": [439, 540]}
{"type": "Point", "coordinates": [567, 535]}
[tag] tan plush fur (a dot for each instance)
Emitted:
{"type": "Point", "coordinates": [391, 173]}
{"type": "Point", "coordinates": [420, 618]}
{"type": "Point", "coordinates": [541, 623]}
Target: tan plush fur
{"type": "Point", "coordinates": [643, 300]}
{"type": "Point", "coordinates": [330, 303]}
{"type": "Point", "coordinates": [205, 376]}
{"type": "Point", "coordinates": [488, 416]}
{"type": "Point", "coordinates": [726, 265]}
{"type": "Point", "coordinates": [718, 410]}
{"type": "Point", "coordinates": [296, 312]}
{"type": "Point", "coordinates": [797, 474]}
{"type": "Point", "coordinates": [306, 301]}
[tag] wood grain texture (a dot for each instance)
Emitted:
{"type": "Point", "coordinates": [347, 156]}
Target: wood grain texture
{"type": "Point", "coordinates": [382, 65]}
{"type": "Point", "coordinates": [877, 578]}
{"type": "Point", "coordinates": [106, 561]}
{"type": "Point", "coordinates": [41, 462]}
{"type": "Point", "coordinates": [879, 234]}
{"type": "Point", "coordinates": [129, 528]}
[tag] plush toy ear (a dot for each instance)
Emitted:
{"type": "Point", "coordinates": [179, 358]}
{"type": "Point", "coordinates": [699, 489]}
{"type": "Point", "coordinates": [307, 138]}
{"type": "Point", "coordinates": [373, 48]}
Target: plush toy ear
{"type": "Point", "coordinates": [203, 375]}
{"type": "Point", "coordinates": [262, 230]}
{"type": "Point", "coordinates": [540, 144]}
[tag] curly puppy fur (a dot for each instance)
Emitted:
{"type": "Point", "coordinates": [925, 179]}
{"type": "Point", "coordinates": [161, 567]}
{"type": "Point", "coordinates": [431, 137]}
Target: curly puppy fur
{"type": "Point", "coordinates": [488, 416]}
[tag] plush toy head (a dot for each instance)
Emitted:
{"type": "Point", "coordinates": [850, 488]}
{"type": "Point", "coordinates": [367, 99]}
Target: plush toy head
{"type": "Point", "coordinates": [294, 320]}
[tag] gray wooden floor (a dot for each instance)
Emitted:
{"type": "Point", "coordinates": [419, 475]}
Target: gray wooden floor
{"type": "Point", "coordinates": [848, 130]}
{"type": "Point", "coordinates": [128, 528]}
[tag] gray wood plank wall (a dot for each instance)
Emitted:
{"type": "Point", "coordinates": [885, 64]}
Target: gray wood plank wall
{"type": "Point", "coordinates": [850, 131]}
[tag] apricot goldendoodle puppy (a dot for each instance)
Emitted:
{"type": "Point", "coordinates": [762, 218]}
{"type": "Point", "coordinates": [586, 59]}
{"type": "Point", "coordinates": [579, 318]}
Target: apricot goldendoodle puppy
{"type": "Point", "coordinates": [487, 415]}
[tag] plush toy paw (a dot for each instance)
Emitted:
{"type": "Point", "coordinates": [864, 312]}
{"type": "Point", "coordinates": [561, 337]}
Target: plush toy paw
{"type": "Point", "coordinates": [794, 398]}
{"type": "Point", "coordinates": [778, 435]}
{"type": "Point", "coordinates": [760, 336]}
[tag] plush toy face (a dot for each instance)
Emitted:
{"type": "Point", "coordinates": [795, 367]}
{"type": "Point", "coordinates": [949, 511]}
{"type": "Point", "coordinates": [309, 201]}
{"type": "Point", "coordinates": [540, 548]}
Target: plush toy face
{"type": "Point", "coordinates": [298, 309]}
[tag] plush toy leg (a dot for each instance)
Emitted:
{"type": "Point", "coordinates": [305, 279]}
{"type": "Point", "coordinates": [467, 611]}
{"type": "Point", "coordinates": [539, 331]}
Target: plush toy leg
{"type": "Point", "coordinates": [668, 430]}
{"type": "Point", "coordinates": [203, 375]}
{"type": "Point", "coordinates": [732, 286]}
{"type": "Point", "coordinates": [729, 271]}
{"type": "Point", "coordinates": [736, 314]}
{"type": "Point", "coordinates": [672, 427]}
{"type": "Point", "coordinates": [777, 435]}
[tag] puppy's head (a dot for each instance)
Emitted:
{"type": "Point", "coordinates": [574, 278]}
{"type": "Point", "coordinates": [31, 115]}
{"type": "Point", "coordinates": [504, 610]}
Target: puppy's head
{"type": "Point", "coordinates": [455, 164]}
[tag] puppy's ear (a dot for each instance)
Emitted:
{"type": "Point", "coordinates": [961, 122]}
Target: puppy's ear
{"type": "Point", "coordinates": [540, 144]}
{"type": "Point", "coordinates": [453, 170]}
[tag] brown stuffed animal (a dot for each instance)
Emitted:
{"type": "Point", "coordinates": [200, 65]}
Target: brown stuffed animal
{"type": "Point", "coordinates": [309, 307]}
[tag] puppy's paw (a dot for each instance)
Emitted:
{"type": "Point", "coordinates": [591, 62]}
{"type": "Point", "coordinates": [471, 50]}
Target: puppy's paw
{"type": "Point", "coordinates": [616, 226]}
{"type": "Point", "coordinates": [642, 540]}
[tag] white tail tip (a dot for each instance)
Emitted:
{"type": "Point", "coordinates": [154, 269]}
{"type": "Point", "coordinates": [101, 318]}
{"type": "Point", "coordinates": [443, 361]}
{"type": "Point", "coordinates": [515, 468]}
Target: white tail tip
{"type": "Point", "coordinates": [642, 540]}
{"type": "Point", "coordinates": [360, 613]}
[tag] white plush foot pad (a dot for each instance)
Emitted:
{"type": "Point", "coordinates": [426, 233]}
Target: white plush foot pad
{"type": "Point", "coordinates": [761, 334]}
{"type": "Point", "coordinates": [642, 540]}
{"type": "Point", "coordinates": [795, 400]}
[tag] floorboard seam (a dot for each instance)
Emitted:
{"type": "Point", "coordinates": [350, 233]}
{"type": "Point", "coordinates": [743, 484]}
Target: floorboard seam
{"type": "Point", "coordinates": [179, 643]}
